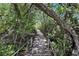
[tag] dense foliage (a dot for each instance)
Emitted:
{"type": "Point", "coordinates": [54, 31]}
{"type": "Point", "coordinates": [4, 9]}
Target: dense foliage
{"type": "Point", "coordinates": [17, 23]}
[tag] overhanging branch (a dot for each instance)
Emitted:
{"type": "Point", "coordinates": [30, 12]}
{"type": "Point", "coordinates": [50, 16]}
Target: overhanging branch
{"type": "Point", "coordinates": [67, 28]}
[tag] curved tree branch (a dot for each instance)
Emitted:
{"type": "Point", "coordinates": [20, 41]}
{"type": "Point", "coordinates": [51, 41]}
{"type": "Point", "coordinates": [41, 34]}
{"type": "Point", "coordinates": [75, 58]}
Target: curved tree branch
{"type": "Point", "coordinates": [67, 28]}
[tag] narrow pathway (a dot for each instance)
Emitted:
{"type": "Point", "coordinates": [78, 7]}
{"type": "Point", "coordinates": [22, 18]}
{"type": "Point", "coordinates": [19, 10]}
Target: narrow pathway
{"type": "Point", "coordinates": [40, 45]}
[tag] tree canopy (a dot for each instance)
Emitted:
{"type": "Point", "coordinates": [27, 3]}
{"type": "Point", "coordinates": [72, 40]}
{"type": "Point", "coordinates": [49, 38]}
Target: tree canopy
{"type": "Point", "coordinates": [59, 23]}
